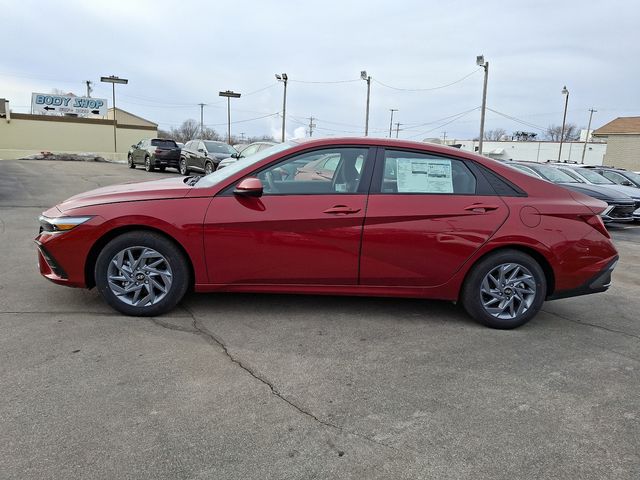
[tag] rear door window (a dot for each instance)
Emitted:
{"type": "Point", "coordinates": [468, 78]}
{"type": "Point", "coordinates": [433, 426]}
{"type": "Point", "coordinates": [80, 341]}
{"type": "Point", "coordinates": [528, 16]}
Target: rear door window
{"type": "Point", "coordinates": [412, 172]}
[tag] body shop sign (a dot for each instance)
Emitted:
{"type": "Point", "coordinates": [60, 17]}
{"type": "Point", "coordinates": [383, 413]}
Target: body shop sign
{"type": "Point", "coordinates": [43, 103]}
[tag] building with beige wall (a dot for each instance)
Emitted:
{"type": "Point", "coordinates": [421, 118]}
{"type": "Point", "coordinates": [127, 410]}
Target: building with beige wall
{"type": "Point", "coordinates": [623, 142]}
{"type": "Point", "coordinates": [22, 134]}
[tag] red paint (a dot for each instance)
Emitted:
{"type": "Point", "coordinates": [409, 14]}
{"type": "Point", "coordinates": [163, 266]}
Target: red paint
{"type": "Point", "coordinates": [356, 244]}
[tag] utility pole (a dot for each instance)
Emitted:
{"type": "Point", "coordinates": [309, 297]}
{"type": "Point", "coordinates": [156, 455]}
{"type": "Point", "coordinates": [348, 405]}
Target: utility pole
{"type": "Point", "coordinates": [311, 126]}
{"type": "Point", "coordinates": [89, 89]}
{"type": "Point", "coordinates": [229, 94]}
{"type": "Point", "coordinates": [391, 121]}
{"type": "Point", "coordinates": [586, 138]}
{"type": "Point", "coordinates": [283, 78]}
{"type": "Point", "coordinates": [366, 78]}
{"type": "Point", "coordinates": [242, 137]}
{"type": "Point", "coordinates": [398, 129]}
{"type": "Point", "coordinates": [444, 138]}
{"type": "Point", "coordinates": [201, 119]}
{"type": "Point", "coordinates": [112, 79]}
{"type": "Point", "coordinates": [565, 92]}
{"type": "Point", "coordinates": [480, 61]}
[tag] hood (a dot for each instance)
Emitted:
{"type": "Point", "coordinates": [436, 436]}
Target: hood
{"type": "Point", "coordinates": [633, 192]}
{"type": "Point", "coordinates": [220, 156]}
{"type": "Point", "coordinates": [596, 191]}
{"type": "Point", "coordinates": [129, 192]}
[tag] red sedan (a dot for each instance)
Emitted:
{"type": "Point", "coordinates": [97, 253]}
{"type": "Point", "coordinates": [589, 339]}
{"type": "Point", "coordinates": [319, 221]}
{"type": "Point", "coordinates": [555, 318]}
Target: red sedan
{"type": "Point", "coordinates": [390, 218]}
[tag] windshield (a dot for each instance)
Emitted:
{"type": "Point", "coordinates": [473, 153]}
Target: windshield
{"type": "Point", "coordinates": [595, 177]}
{"type": "Point", "coordinates": [524, 169]}
{"type": "Point", "coordinates": [163, 143]}
{"type": "Point", "coordinates": [244, 162]}
{"type": "Point", "coordinates": [633, 176]}
{"type": "Point", "coordinates": [215, 147]}
{"type": "Point", "coordinates": [553, 174]}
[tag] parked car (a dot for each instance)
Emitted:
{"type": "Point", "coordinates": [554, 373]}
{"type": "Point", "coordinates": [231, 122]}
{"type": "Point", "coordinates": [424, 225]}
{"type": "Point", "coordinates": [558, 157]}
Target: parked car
{"type": "Point", "coordinates": [592, 177]}
{"type": "Point", "coordinates": [154, 153]}
{"type": "Point", "coordinates": [618, 175]}
{"type": "Point", "coordinates": [416, 220]}
{"type": "Point", "coordinates": [204, 156]}
{"type": "Point", "coordinates": [620, 207]}
{"type": "Point", "coordinates": [249, 150]}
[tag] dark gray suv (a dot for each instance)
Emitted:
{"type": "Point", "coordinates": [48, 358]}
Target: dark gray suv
{"type": "Point", "coordinates": [203, 156]}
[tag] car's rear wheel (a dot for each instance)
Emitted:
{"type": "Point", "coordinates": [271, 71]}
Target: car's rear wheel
{"type": "Point", "coordinates": [142, 273]}
{"type": "Point", "coordinates": [208, 168]}
{"type": "Point", "coordinates": [184, 170]}
{"type": "Point", "coordinates": [130, 161]}
{"type": "Point", "coordinates": [148, 166]}
{"type": "Point", "coordinates": [505, 289]}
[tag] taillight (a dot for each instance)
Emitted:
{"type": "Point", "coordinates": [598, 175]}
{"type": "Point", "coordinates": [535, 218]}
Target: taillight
{"type": "Point", "coordinates": [157, 151]}
{"type": "Point", "coordinates": [596, 222]}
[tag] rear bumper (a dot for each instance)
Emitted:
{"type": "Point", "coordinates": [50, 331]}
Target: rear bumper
{"type": "Point", "coordinates": [600, 282]}
{"type": "Point", "coordinates": [166, 162]}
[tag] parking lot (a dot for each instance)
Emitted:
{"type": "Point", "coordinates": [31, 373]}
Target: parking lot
{"type": "Point", "coordinates": [235, 386]}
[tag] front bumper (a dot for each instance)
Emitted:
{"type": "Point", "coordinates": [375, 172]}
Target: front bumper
{"type": "Point", "coordinates": [618, 212]}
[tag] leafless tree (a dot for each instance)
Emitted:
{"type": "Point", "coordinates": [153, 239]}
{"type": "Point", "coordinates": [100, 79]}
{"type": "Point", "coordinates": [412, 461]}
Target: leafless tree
{"type": "Point", "coordinates": [495, 134]}
{"type": "Point", "coordinates": [522, 136]}
{"type": "Point", "coordinates": [571, 132]}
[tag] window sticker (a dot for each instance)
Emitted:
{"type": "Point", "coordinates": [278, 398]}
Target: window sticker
{"type": "Point", "coordinates": [424, 175]}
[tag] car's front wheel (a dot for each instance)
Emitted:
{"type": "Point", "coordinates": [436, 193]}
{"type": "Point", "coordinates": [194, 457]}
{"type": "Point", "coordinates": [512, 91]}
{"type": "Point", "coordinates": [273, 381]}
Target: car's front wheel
{"type": "Point", "coordinates": [148, 166]}
{"type": "Point", "coordinates": [184, 170]}
{"type": "Point", "coordinates": [504, 290]}
{"type": "Point", "coordinates": [208, 168]}
{"type": "Point", "coordinates": [130, 161]}
{"type": "Point", "coordinates": [142, 273]}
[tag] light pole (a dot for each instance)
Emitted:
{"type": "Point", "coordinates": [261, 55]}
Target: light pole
{"type": "Point", "coordinates": [586, 138]}
{"type": "Point", "coordinates": [391, 122]}
{"type": "Point", "coordinates": [564, 92]}
{"type": "Point", "coordinates": [398, 129]}
{"type": "Point", "coordinates": [229, 94]}
{"type": "Point", "coordinates": [480, 61]}
{"type": "Point", "coordinates": [283, 78]}
{"type": "Point", "coordinates": [201, 119]}
{"type": "Point", "coordinates": [112, 79]}
{"type": "Point", "coordinates": [366, 78]}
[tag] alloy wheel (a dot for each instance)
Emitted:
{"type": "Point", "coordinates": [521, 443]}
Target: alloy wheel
{"type": "Point", "coordinates": [208, 168]}
{"type": "Point", "coordinates": [508, 291]}
{"type": "Point", "coordinates": [183, 166]}
{"type": "Point", "coordinates": [139, 276]}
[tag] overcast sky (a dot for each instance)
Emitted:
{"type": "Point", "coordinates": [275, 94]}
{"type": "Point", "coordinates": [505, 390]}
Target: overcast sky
{"type": "Point", "coordinates": [177, 54]}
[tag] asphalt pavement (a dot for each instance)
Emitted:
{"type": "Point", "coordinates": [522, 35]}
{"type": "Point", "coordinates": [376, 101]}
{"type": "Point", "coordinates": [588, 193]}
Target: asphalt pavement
{"type": "Point", "coordinates": [236, 386]}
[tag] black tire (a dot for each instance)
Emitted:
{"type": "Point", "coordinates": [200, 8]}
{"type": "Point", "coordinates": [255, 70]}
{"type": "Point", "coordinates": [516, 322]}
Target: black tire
{"type": "Point", "coordinates": [143, 279]}
{"type": "Point", "coordinates": [208, 168]}
{"type": "Point", "coordinates": [182, 167]}
{"type": "Point", "coordinates": [514, 292]}
{"type": "Point", "coordinates": [162, 169]}
{"type": "Point", "coordinates": [148, 165]}
{"type": "Point", "coordinates": [130, 162]}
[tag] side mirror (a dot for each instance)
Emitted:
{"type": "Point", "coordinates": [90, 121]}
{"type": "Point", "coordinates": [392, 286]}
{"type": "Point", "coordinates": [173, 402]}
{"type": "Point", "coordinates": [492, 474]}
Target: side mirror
{"type": "Point", "coordinates": [627, 183]}
{"type": "Point", "coordinates": [235, 155]}
{"type": "Point", "coordinates": [134, 146]}
{"type": "Point", "coordinates": [249, 187]}
{"type": "Point", "coordinates": [201, 150]}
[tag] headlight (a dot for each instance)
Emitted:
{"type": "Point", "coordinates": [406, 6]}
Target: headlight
{"type": "Point", "coordinates": [60, 224]}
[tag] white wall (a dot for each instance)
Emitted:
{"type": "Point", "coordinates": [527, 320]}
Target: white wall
{"type": "Point", "coordinates": [538, 151]}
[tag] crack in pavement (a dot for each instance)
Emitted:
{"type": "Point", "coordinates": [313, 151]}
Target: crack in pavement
{"type": "Point", "coordinates": [630, 357]}
{"type": "Point", "coordinates": [212, 339]}
{"type": "Point", "coordinates": [594, 325]}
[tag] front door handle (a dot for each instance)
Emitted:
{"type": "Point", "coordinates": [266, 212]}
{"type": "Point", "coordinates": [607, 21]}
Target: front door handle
{"type": "Point", "coordinates": [481, 208]}
{"type": "Point", "coordinates": [341, 209]}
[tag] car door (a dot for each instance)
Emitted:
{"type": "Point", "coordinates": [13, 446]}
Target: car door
{"type": "Point", "coordinates": [138, 153]}
{"type": "Point", "coordinates": [297, 233]}
{"type": "Point", "coordinates": [426, 216]}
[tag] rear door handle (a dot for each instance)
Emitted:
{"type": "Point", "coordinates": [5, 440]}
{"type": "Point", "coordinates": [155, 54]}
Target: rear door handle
{"type": "Point", "coordinates": [341, 209]}
{"type": "Point", "coordinates": [481, 208]}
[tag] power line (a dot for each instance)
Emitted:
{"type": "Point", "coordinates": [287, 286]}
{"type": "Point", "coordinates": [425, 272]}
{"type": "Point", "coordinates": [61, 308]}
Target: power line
{"type": "Point", "coordinates": [517, 120]}
{"type": "Point", "coordinates": [463, 114]}
{"type": "Point", "coordinates": [429, 88]}
{"type": "Point", "coordinates": [325, 82]}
